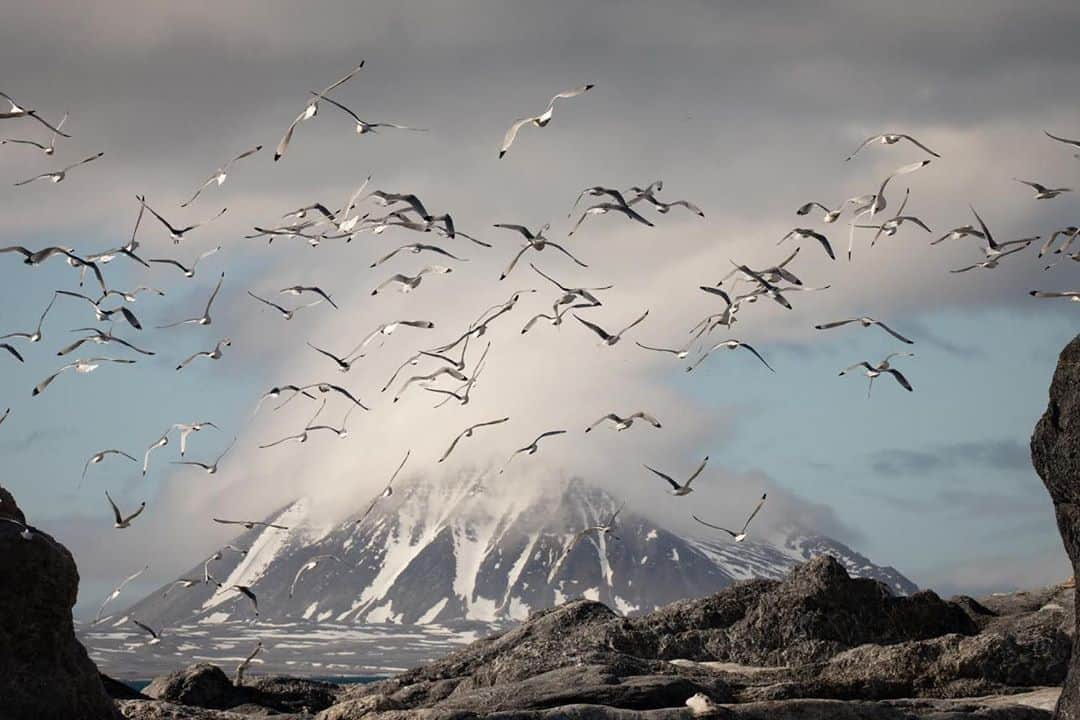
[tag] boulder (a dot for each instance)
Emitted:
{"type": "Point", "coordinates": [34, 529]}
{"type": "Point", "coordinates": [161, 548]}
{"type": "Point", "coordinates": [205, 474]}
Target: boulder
{"type": "Point", "coordinates": [1055, 452]}
{"type": "Point", "coordinates": [201, 685]}
{"type": "Point", "coordinates": [44, 671]}
{"type": "Point", "coordinates": [289, 694]}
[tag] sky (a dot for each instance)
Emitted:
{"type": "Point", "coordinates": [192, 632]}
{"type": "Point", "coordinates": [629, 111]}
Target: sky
{"type": "Point", "coordinates": [746, 109]}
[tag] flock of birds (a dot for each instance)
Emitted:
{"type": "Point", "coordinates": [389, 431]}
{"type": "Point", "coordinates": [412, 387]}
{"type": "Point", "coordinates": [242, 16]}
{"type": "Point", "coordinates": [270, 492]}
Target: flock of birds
{"type": "Point", "coordinates": [376, 211]}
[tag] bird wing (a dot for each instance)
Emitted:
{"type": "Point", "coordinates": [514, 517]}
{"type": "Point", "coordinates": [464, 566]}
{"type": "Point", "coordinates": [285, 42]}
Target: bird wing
{"type": "Point", "coordinates": [656, 349]}
{"type": "Point", "coordinates": [892, 332]}
{"type": "Point", "coordinates": [1075, 143]}
{"type": "Point", "coordinates": [696, 472]}
{"type": "Point", "coordinates": [214, 294]}
{"type": "Point", "coordinates": [717, 291]}
{"type": "Point", "coordinates": [669, 479]}
{"type": "Point", "coordinates": [519, 228]}
{"type": "Point", "coordinates": [348, 76]}
{"type": "Point", "coordinates": [835, 324]}
{"type": "Point", "coordinates": [567, 253]}
{"type": "Point", "coordinates": [283, 144]}
{"type": "Point", "coordinates": [116, 510]}
{"type": "Point", "coordinates": [913, 141]}
{"type": "Point", "coordinates": [511, 134]}
{"type": "Point", "coordinates": [757, 508]}
{"type": "Point", "coordinates": [83, 161]}
{"type": "Point", "coordinates": [11, 349]}
{"type": "Point", "coordinates": [610, 416]}
{"type": "Point", "coordinates": [595, 328]}
{"type": "Point", "coordinates": [863, 144]}
{"type": "Point", "coordinates": [40, 387]}
{"type": "Point", "coordinates": [900, 379]}
{"type": "Point", "coordinates": [633, 324]}
{"type": "Point", "coordinates": [714, 527]}
{"type": "Point", "coordinates": [756, 354]}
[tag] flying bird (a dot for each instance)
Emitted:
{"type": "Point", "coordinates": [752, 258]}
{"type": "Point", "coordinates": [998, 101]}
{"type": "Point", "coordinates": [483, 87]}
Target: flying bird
{"type": "Point", "coordinates": [1043, 192]}
{"type": "Point", "coordinates": [205, 318]}
{"type": "Point", "coordinates": [286, 313]}
{"type": "Point", "coordinates": [243, 666]}
{"type": "Point", "coordinates": [189, 272]}
{"type": "Point", "coordinates": [298, 290]}
{"type": "Point", "coordinates": [874, 371]}
{"type": "Point", "coordinates": [531, 448]}
{"type": "Point", "coordinates": [214, 354]}
{"type": "Point", "coordinates": [221, 173]}
{"type": "Point", "coordinates": [679, 490]}
{"type": "Point", "coordinates": [19, 111]}
{"type": "Point", "coordinates": [865, 322]}
{"type": "Point", "coordinates": [1071, 295]}
{"type": "Point", "coordinates": [122, 521]}
{"type": "Point", "coordinates": [890, 139]}
{"type": "Point", "coordinates": [731, 344]}
{"type": "Point", "coordinates": [212, 468]}
{"type": "Point", "coordinates": [47, 149]}
{"type": "Point", "coordinates": [387, 491]}
{"type": "Point", "coordinates": [363, 127]}
{"type": "Point", "coordinates": [250, 524]}
{"type": "Point", "coordinates": [116, 593]}
{"type": "Point", "coordinates": [310, 565]}
{"type": "Point", "coordinates": [604, 335]}
{"type": "Point", "coordinates": [741, 535]}
{"type": "Point", "coordinates": [247, 592]}
{"type": "Point", "coordinates": [177, 233]}
{"type": "Point", "coordinates": [408, 283]}
{"type": "Point", "coordinates": [155, 637]}
{"type": "Point", "coordinates": [811, 234]}
{"type": "Point", "coordinates": [534, 241]}
{"type": "Point", "coordinates": [622, 423]}
{"type": "Point", "coordinates": [80, 366]}
{"type": "Point", "coordinates": [309, 111]}
{"type": "Point", "coordinates": [99, 456]}
{"type": "Point", "coordinates": [540, 120]}
{"type": "Point", "coordinates": [56, 176]}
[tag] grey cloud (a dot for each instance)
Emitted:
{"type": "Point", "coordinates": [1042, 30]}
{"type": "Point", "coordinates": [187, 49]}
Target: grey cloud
{"type": "Point", "coordinates": [1004, 455]}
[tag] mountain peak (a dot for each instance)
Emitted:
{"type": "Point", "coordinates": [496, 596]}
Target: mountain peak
{"type": "Point", "coordinates": [436, 552]}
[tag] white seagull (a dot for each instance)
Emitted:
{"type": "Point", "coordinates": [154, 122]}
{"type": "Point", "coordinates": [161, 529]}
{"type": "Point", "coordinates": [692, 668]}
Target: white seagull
{"type": "Point", "coordinates": [408, 283]}
{"type": "Point", "coordinates": [99, 456]}
{"type": "Point", "coordinates": [189, 272]}
{"type": "Point", "coordinates": [205, 318]}
{"type": "Point", "coordinates": [890, 139]}
{"type": "Point", "coordinates": [116, 593]}
{"type": "Point", "coordinates": [309, 111]}
{"type": "Point", "coordinates": [80, 366]}
{"type": "Point", "coordinates": [604, 335]}
{"type": "Point", "coordinates": [684, 489]}
{"type": "Point", "coordinates": [387, 491]}
{"type": "Point", "coordinates": [19, 111]}
{"type": "Point", "coordinates": [865, 322]}
{"type": "Point", "coordinates": [221, 173]}
{"type": "Point", "coordinates": [310, 565]}
{"type": "Point", "coordinates": [731, 344]}
{"type": "Point", "coordinates": [741, 535]}
{"type": "Point", "coordinates": [214, 354]}
{"type": "Point", "coordinates": [122, 521]}
{"type": "Point", "coordinates": [873, 371]}
{"type": "Point", "coordinates": [531, 448]}
{"type": "Point", "coordinates": [47, 149]}
{"type": "Point", "coordinates": [1043, 192]}
{"type": "Point", "coordinates": [56, 176]}
{"type": "Point", "coordinates": [540, 120]}
{"type": "Point", "coordinates": [622, 423]}
{"type": "Point", "coordinates": [210, 469]}
{"type": "Point", "coordinates": [177, 233]}
{"type": "Point", "coordinates": [1071, 295]}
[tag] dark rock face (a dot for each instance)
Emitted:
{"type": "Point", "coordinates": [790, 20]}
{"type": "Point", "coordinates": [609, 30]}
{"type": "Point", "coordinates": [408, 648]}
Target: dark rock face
{"type": "Point", "coordinates": [207, 686]}
{"type": "Point", "coordinates": [44, 671]}
{"type": "Point", "coordinates": [1055, 451]}
{"type": "Point", "coordinates": [814, 614]}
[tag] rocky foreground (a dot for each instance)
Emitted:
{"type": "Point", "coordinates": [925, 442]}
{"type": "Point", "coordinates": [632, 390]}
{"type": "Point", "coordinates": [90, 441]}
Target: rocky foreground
{"type": "Point", "coordinates": [819, 644]}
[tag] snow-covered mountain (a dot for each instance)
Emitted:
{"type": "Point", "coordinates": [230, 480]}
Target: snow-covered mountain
{"type": "Point", "coordinates": [451, 551]}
